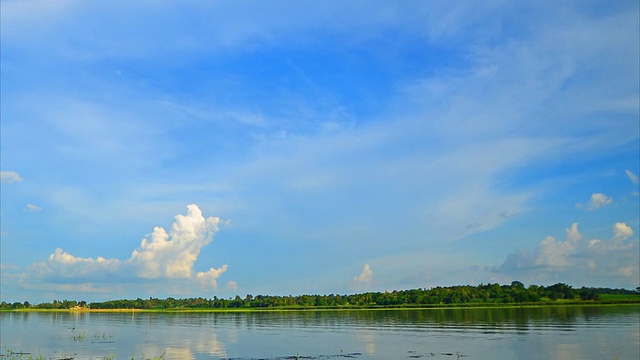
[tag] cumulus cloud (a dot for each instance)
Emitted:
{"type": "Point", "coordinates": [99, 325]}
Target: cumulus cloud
{"type": "Point", "coordinates": [210, 277]}
{"type": "Point", "coordinates": [365, 277]}
{"type": "Point", "coordinates": [8, 177]}
{"type": "Point", "coordinates": [598, 200]}
{"type": "Point", "coordinates": [63, 272]}
{"type": "Point", "coordinates": [64, 265]}
{"type": "Point", "coordinates": [172, 255]}
{"type": "Point", "coordinates": [621, 231]}
{"type": "Point", "coordinates": [633, 177]}
{"type": "Point", "coordinates": [232, 285]}
{"type": "Point", "coordinates": [554, 253]}
{"type": "Point", "coordinates": [578, 258]}
{"type": "Point", "coordinates": [161, 255]}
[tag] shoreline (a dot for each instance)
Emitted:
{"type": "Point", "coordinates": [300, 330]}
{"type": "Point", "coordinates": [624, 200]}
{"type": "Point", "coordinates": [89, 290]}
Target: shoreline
{"type": "Point", "coordinates": [341, 308]}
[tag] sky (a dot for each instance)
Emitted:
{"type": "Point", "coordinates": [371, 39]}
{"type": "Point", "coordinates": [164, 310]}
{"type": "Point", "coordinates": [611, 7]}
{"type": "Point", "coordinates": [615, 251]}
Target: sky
{"type": "Point", "coordinates": [214, 148]}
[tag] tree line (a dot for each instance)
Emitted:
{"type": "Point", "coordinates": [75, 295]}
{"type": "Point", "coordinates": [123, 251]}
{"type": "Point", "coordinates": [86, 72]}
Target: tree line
{"type": "Point", "coordinates": [514, 293]}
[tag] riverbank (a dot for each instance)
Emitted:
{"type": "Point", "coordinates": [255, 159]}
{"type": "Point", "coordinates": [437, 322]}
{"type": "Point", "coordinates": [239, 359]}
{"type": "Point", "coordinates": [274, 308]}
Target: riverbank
{"type": "Point", "coordinates": [483, 295]}
{"type": "Point", "coordinates": [557, 303]}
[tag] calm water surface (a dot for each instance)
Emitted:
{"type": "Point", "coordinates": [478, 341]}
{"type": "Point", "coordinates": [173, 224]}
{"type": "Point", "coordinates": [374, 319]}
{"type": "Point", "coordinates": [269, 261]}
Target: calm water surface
{"type": "Point", "coordinates": [607, 332]}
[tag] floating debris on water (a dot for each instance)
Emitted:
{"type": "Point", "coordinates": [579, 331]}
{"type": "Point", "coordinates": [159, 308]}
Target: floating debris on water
{"type": "Point", "coordinates": [415, 355]}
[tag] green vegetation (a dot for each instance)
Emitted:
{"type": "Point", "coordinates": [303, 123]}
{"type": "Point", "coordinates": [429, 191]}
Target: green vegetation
{"type": "Point", "coordinates": [13, 355]}
{"type": "Point", "coordinates": [467, 295]}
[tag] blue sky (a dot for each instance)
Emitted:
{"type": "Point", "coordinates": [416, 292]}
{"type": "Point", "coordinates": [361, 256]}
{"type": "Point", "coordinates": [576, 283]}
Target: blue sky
{"type": "Point", "coordinates": [214, 148]}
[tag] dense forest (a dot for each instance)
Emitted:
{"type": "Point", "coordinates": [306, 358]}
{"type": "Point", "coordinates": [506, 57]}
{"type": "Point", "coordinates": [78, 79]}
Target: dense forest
{"type": "Point", "coordinates": [515, 293]}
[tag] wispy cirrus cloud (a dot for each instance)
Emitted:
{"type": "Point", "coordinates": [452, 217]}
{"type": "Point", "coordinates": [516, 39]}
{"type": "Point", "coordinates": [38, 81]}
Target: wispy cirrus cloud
{"type": "Point", "coordinates": [632, 177]}
{"type": "Point", "coordinates": [320, 125]}
{"type": "Point", "coordinates": [8, 177]}
{"type": "Point", "coordinates": [33, 208]}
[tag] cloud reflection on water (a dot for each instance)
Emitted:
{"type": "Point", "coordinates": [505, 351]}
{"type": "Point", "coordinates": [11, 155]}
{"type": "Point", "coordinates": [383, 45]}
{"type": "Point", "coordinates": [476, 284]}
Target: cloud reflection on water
{"type": "Point", "coordinates": [368, 339]}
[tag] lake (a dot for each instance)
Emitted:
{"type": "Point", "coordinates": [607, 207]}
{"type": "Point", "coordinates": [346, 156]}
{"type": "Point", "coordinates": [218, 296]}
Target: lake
{"type": "Point", "coordinates": [566, 332]}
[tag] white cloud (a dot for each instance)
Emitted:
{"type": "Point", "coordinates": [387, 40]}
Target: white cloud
{"type": "Point", "coordinates": [365, 277]}
{"type": "Point", "coordinates": [8, 177]}
{"type": "Point", "coordinates": [578, 259]}
{"type": "Point", "coordinates": [633, 177]}
{"type": "Point", "coordinates": [210, 277]}
{"type": "Point", "coordinates": [627, 271]}
{"type": "Point", "coordinates": [598, 200]}
{"type": "Point", "coordinates": [64, 265]}
{"type": "Point", "coordinates": [160, 256]}
{"type": "Point", "coordinates": [172, 255]}
{"type": "Point", "coordinates": [232, 285]}
{"type": "Point", "coordinates": [621, 231]}
{"type": "Point", "coordinates": [573, 235]}
{"type": "Point", "coordinates": [33, 208]}
{"type": "Point", "coordinates": [5, 267]}
{"type": "Point", "coordinates": [553, 253]}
